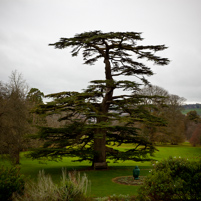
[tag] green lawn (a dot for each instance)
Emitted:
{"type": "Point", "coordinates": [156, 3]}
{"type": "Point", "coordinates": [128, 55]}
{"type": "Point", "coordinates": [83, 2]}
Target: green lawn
{"type": "Point", "coordinates": [101, 180]}
{"type": "Point", "coordinates": [198, 110]}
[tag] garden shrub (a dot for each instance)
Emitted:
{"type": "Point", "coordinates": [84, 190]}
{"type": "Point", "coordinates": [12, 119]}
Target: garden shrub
{"type": "Point", "coordinates": [172, 179]}
{"type": "Point", "coordinates": [11, 181]}
{"type": "Point", "coordinates": [71, 188]}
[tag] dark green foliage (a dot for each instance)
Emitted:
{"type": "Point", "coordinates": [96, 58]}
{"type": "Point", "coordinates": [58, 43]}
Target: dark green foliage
{"type": "Point", "coordinates": [193, 116]}
{"type": "Point", "coordinates": [35, 96]}
{"type": "Point", "coordinates": [76, 138]}
{"type": "Point", "coordinates": [96, 118]}
{"type": "Point", "coordinates": [10, 182]}
{"type": "Point", "coordinates": [118, 47]}
{"type": "Point", "coordinates": [173, 179]}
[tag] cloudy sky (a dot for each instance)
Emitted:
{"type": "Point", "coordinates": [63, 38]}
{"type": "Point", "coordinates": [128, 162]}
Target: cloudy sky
{"type": "Point", "coordinates": [28, 26]}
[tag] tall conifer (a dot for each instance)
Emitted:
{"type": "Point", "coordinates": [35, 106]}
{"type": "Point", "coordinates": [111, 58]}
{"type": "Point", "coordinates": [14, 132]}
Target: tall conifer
{"type": "Point", "coordinates": [96, 118]}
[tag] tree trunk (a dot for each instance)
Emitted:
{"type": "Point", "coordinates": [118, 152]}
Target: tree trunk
{"type": "Point", "coordinates": [100, 138]}
{"type": "Point", "coordinates": [17, 158]}
{"type": "Point", "coordinates": [100, 150]}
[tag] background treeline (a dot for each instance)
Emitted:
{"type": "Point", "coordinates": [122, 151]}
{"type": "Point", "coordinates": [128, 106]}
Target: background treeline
{"type": "Point", "coordinates": [180, 126]}
{"type": "Point", "coordinates": [18, 121]}
{"type": "Point", "coordinates": [191, 107]}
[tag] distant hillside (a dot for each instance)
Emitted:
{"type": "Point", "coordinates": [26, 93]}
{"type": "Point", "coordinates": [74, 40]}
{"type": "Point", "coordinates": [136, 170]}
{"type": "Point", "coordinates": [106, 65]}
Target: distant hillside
{"type": "Point", "coordinates": [191, 107]}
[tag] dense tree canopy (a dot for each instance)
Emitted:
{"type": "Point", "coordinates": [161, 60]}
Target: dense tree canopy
{"type": "Point", "coordinates": [196, 136]}
{"type": "Point", "coordinates": [35, 96]}
{"type": "Point", "coordinates": [192, 122]}
{"type": "Point", "coordinates": [193, 116]}
{"type": "Point", "coordinates": [168, 107]}
{"type": "Point", "coordinates": [97, 118]}
{"type": "Point", "coordinates": [13, 117]}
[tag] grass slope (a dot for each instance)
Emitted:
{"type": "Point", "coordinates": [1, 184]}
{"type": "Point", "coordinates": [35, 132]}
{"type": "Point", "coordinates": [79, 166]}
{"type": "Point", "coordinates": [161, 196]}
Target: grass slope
{"type": "Point", "coordinates": [101, 180]}
{"type": "Point", "coordinates": [198, 110]}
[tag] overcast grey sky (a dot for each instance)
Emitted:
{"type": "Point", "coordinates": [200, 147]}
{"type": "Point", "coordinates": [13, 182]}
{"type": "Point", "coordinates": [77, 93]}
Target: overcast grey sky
{"type": "Point", "coordinates": [28, 26]}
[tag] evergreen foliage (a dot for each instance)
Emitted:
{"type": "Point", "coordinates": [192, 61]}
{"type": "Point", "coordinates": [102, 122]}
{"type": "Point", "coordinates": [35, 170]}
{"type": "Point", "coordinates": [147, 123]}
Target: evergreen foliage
{"type": "Point", "coordinates": [172, 179]}
{"type": "Point", "coordinates": [96, 118]}
{"type": "Point", "coordinates": [193, 116]}
{"type": "Point", "coordinates": [10, 182]}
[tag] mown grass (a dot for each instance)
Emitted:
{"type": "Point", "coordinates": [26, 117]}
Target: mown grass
{"type": "Point", "coordinates": [101, 180]}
